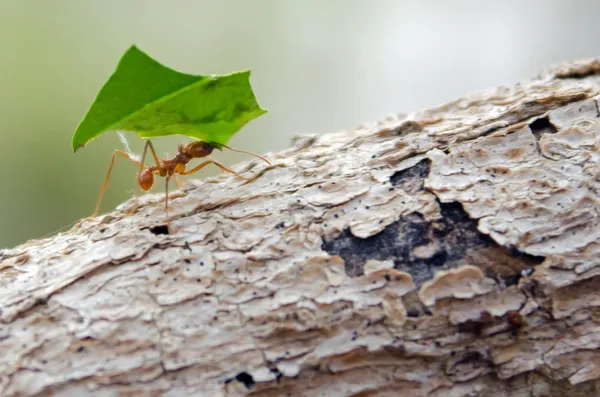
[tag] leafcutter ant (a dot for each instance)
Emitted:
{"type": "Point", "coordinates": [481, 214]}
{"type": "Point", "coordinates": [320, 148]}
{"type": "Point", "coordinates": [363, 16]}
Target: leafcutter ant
{"type": "Point", "coordinates": [171, 168]}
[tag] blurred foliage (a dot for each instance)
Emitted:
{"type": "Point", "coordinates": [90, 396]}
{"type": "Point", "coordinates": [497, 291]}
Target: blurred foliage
{"type": "Point", "coordinates": [316, 65]}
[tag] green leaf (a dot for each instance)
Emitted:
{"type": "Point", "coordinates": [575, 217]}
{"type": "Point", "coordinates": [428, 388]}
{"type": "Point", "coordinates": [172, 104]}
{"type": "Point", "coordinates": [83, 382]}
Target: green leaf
{"type": "Point", "coordinates": [153, 100]}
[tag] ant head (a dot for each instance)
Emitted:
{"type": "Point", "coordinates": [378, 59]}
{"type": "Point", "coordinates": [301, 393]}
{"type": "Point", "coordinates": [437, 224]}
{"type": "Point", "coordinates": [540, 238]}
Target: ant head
{"type": "Point", "coordinates": [198, 149]}
{"type": "Point", "coordinates": [146, 179]}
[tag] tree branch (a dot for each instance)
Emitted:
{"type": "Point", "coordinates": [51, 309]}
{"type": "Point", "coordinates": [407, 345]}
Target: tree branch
{"type": "Point", "coordinates": [449, 252]}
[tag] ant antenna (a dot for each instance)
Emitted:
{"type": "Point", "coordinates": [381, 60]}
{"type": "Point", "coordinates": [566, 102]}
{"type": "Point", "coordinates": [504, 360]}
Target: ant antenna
{"type": "Point", "coordinates": [250, 153]}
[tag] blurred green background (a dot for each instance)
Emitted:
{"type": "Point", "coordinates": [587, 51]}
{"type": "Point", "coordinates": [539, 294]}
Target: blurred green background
{"type": "Point", "coordinates": [317, 66]}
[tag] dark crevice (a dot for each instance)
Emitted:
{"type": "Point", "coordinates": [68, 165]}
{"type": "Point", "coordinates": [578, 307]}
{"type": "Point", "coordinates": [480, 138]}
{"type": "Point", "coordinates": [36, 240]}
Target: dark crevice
{"type": "Point", "coordinates": [411, 179]}
{"type": "Point", "coordinates": [416, 246]}
{"type": "Point", "coordinates": [511, 279]}
{"type": "Point", "coordinates": [578, 75]}
{"type": "Point", "coordinates": [470, 361]}
{"type": "Point", "coordinates": [542, 126]}
{"type": "Point", "coordinates": [413, 313]}
{"type": "Point", "coordinates": [276, 372]}
{"type": "Point", "coordinates": [420, 248]}
{"type": "Point", "coordinates": [160, 229]}
{"type": "Point", "coordinates": [474, 327]}
{"type": "Point", "coordinates": [512, 265]}
{"type": "Point", "coordinates": [414, 306]}
{"type": "Point", "coordinates": [246, 379]}
{"type": "Point", "coordinates": [407, 127]}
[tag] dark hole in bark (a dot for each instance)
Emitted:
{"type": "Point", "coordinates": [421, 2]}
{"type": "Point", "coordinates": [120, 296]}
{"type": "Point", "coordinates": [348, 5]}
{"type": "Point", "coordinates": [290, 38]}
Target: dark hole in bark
{"type": "Point", "coordinates": [246, 379]}
{"type": "Point", "coordinates": [160, 229]}
{"type": "Point", "coordinates": [542, 126]}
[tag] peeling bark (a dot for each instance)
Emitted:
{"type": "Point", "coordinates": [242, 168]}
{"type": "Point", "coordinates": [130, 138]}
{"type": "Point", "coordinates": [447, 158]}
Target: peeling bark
{"type": "Point", "coordinates": [449, 252]}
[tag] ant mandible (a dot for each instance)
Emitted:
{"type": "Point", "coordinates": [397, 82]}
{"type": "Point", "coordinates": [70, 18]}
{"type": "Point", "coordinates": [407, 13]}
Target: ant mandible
{"type": "Point", "coordinates": [170, 168]}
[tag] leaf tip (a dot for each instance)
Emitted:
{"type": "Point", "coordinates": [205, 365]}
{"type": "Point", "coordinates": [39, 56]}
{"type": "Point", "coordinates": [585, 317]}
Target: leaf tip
{"type": "Point", "coordinates": [76, 146]}
{"type": "Point", "coordinates": [77, 141]}
{"type": "Point", "coordinates": [132, 49]}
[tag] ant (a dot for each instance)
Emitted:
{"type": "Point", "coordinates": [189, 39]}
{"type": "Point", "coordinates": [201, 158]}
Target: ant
{"type": "Point", "coordinates": [171, 168]}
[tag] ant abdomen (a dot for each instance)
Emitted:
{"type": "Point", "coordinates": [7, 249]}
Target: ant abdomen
{"type": "Point", "coordinates": [146, 179]}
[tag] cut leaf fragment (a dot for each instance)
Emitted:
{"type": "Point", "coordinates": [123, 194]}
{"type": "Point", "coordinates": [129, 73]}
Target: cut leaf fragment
{"type": "Point", "coordinates": [152, 100]}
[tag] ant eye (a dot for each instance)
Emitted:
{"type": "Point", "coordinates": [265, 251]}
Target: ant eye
{"type": "Point", "coordinates": [146, 179]}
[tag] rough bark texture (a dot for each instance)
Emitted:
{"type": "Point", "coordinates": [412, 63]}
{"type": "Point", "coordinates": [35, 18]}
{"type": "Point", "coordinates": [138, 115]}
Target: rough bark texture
{"type": "Point", "coordinates": [449, 252]}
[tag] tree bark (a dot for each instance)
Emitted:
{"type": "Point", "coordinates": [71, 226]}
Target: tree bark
{"type": "Point", "coordinates": [449, 252]}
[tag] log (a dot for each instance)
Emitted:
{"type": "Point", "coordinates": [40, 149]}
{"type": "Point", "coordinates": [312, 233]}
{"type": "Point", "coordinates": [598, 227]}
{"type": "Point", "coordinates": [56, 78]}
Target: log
{"type": "Point", "coordinates": [448, 252]}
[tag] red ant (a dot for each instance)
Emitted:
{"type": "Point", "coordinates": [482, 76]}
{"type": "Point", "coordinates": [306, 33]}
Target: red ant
{"type": "Point", "coordinates": [171, 168]}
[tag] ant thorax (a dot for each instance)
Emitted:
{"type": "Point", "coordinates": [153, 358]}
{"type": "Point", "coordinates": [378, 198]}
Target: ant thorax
{"type": "Point", "coordinates": [181, 158]}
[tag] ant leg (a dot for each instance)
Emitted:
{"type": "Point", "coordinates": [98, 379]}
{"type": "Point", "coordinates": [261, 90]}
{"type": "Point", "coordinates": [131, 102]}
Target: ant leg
{"type": "Point", "coordinates": [167, 199]}
{"type": "Point", "coordinates": [156, 158]}
{"type": "Point", "coordinates": [210, 161]}
{"type": "Point", "coordinates": [250, 153]}
{"type": "Point", "coordinates": [105, 184]}
{"type": "Point", "coordinates": [178, 181]}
